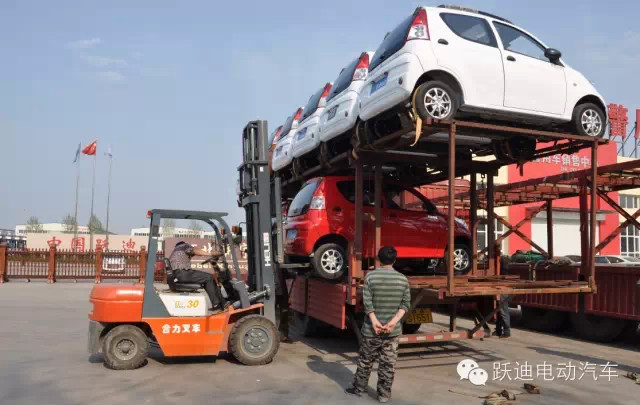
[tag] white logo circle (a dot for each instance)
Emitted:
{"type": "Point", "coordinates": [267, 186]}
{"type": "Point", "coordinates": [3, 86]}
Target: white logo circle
{"type": "Point", "coordinates": [464, 367]}
{"type": "Point", "coordinates": [478, 376]}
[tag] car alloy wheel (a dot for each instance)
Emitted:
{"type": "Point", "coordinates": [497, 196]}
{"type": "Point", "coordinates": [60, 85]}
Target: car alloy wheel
{"type": "Point", "coordinates": [438, 103]}
{"type": "Point", "coordinates": [460, 259]}
{"type": "Point", "coordinates": [331, 261]}
{"type": "Point", "coordinates": [591, 122]}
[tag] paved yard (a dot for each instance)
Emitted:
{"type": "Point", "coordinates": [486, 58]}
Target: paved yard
{"type": "Point", "coordinates": [43, 360]}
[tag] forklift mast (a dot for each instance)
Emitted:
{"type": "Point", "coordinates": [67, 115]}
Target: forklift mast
{"type": "Point", "coordinates": [255, 197]}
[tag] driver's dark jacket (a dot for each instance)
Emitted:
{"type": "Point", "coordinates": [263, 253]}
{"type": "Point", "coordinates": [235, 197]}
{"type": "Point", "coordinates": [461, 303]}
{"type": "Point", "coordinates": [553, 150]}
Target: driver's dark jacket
{"type": "Point", "coordinates": [180, 258]}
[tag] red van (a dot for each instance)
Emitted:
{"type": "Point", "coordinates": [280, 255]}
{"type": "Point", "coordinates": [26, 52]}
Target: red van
{"type": "Point", "coordinates": [320, 222]}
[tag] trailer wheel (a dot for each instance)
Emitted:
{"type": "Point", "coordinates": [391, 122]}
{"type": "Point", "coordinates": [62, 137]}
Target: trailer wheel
{"type": "Point", "coordinates": [330, 261]}
{"type": "Point", "coordinates": [436, 99]}
{"type": "Point", "coordinates": [310, 325]}
{"type": "Point", "coordinates": [125, 347]}
{"type": "Point", "coordinates": [462, 259]}
{"type": "Point", "coordinates": [544, 320]}
{"type": "Point", "coordinates": [254, 340]}
{"type": "Point", "coordinates": [410, 328]}
{"type": "Point", "coordinates": [597, 328]}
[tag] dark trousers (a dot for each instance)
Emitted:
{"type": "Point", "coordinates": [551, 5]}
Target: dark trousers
{"type": "Point", "coordinates": [204, 279]}
{"type": "Point", "coordinates": [384, 350]}
{"type": "Point", "coordinates": [503, 323]}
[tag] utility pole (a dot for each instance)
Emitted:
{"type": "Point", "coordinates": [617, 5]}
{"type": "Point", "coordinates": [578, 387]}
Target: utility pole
{"type": "Point", "coordinates": [110, 155]}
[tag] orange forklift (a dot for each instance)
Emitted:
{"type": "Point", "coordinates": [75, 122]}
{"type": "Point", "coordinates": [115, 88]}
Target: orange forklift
{"type": "Point", "coordinates": [126, 318]}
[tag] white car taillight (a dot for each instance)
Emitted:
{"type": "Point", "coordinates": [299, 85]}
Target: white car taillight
{"type": "Point", "coordinates": [317, 203]}
{"type": "Point", "coordinates": [419, 27]}
{"type": "Point", "coordinates": [362, 69]}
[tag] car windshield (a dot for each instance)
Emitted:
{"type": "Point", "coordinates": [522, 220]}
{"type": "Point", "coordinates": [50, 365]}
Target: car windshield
{"type": "Point", "coordinates": [344, 79]}
{"type": "Point", "coordinates": [287, 126]}
{"type": "Point", "coordinates": [393, 42]}
{"type": "Point", "coordinates": [312, 105]}
{"type": "Point", "coordinates": [302, 201]}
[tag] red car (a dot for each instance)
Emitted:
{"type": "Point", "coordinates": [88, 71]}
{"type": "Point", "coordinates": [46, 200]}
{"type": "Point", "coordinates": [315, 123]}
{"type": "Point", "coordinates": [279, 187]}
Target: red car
{"type": "Point", "coordinates": [320, 223]}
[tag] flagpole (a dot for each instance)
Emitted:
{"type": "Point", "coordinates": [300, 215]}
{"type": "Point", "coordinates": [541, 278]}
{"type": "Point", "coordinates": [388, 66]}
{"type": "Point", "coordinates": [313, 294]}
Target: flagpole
{"type": "Point", "coordinates": [109, 196]}
{"type": "Point", "coordinates": [75, 214]}
{"type": "Point", "coordinates": [93, 191]}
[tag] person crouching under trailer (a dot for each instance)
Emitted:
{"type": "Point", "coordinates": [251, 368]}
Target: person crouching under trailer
{"type": "Point", "coordinates": [387, 298]}
{"type": "Point", "coordinates": [180, 260]}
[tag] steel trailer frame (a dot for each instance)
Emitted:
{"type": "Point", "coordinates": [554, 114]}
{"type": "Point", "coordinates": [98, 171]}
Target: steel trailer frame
{"type": "Point", "coordinates": [405, 148]}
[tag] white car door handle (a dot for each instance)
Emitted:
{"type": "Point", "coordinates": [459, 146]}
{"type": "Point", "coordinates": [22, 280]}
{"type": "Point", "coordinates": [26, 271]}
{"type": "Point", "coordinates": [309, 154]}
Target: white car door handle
{"type": "Point", "coordinates": [443, 41]}
{"type": "Point", "coordinates": [511, 58]}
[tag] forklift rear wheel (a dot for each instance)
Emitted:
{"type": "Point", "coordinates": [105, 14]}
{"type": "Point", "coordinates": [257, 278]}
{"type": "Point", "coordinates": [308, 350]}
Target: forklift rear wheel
{"type": "Point", "coordinates": [125, 347]}
{"type": "Point", "coordinates": [254, 340]}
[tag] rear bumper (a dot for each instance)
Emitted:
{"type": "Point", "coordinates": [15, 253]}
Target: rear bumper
{"type": "Point", "coordinates": [345, 117]}
{"type": "Point", "coordinates": [95, 330]}
{"type": "Point", "coordinates": [402, 74]}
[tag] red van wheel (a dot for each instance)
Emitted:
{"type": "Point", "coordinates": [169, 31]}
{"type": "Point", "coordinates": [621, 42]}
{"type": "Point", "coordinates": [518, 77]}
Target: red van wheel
{"type": "Point", "coordinates": [330, 261]}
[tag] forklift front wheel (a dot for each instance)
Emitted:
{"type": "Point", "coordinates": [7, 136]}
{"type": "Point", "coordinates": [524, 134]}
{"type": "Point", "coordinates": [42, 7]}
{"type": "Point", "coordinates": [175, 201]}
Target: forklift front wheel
{"type": "Point", "coordinates": [125, 347]}
{"type": "Point", "coordinates": [254, 340]}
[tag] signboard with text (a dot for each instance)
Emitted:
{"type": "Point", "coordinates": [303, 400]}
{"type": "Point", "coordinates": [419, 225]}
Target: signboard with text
{"type": "Point", "coordinates": [66, 241]}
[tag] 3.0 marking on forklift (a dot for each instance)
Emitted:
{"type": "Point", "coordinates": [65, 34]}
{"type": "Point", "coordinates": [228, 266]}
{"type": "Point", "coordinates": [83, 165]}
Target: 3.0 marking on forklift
{"type": "Point", "coordinates": [184, 328]}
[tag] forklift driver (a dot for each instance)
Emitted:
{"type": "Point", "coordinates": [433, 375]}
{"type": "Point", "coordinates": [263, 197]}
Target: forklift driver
{"type": "Point", "coordinates": [180, 260]}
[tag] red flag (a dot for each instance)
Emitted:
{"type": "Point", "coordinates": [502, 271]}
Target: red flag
{"type": "Point", "coordinates": [91, 148]}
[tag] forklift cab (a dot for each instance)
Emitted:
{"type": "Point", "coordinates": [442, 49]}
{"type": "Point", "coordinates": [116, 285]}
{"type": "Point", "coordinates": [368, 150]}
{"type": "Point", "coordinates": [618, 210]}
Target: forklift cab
{"type": "Point", "coordinates": [124, 318]}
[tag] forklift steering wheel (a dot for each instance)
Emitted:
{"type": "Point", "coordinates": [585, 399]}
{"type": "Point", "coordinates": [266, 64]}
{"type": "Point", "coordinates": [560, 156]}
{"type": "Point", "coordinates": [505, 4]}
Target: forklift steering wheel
{"type": "Point", "coordinates": [211, 260]}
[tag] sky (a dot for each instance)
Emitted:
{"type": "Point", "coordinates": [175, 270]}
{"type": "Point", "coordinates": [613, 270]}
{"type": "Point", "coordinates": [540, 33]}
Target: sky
{"type": "Point", "coordinates": [169, 85]}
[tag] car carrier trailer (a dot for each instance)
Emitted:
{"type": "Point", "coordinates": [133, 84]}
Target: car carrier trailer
{"type": "Point", "coordinates": [416, 160]}
{"type": "Point", "coordinates": [600, 316]}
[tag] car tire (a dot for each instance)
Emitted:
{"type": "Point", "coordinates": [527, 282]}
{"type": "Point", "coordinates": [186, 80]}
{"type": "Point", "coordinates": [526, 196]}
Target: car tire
{"type": "Point", "coordinates": [330, 261]}
{"type": "Point", "coordinates": [445, 99]}
{"type": "Point", "coordinates": [254, 340]}
{"type": "Point", "coordinates": [589, 120]}
{"type": "Point", "coordinates": [125, 347]}
{"type": "Point", "coordinates": [463, 262]}
{"type": "Point", "coordinates": [597, 328]}
{"type": "Point", "coordinates": [544, 320]}
{"type": "Point", "coordinates": [310, 326]}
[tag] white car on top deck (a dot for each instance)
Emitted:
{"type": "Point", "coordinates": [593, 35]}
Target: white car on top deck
{"type": "Point", "coordinates": [307, 138]}
{"type": "Point", "coordinates": [343, 103]}
{"type": "Point", "coordinates": [457, 59]}
{"type": "Point", "coordinates": [282, 155]}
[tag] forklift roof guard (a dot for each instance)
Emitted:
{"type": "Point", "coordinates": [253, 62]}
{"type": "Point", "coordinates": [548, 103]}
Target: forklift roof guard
{"type": "Point", "coordinates": [152, 306]}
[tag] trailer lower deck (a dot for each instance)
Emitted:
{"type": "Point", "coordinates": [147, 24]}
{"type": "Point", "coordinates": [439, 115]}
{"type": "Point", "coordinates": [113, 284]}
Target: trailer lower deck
{"type": "Point", "coordinates": [340, 304]}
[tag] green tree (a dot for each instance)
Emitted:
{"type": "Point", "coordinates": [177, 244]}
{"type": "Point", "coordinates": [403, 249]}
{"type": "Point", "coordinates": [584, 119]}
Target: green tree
{"type": "Point", "coordinates": [34, 225]}
{"type": "Point", "coordinates": [195, 226]}
{"type": "Point", "coordinates": [69, 223]}
{"type": "Point", "coordinates": [169, 228]}
{"type": "Point", "coordinates": [95, 226]}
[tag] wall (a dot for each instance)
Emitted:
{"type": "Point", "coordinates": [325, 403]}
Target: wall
{"type": "Point", "coordinates": [607, 155]}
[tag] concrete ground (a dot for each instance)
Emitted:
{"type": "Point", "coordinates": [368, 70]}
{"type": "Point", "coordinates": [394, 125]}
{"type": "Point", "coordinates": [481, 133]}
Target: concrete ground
{"type": "Point", "coordinates": [43, 360]}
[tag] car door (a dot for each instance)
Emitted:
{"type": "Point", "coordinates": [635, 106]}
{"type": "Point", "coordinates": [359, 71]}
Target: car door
{"type": "Point", "coordinates": [531, 81]}
{"type": "Point", "coordinates": [342, 214]}
{"type": "Point", "coordinates": [467, 46]}
{"type": "Point", "coordinates": [412, 230]}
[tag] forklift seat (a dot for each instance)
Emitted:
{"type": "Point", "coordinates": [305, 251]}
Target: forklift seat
{"type": "Point", "coordinates": [176, 286]}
